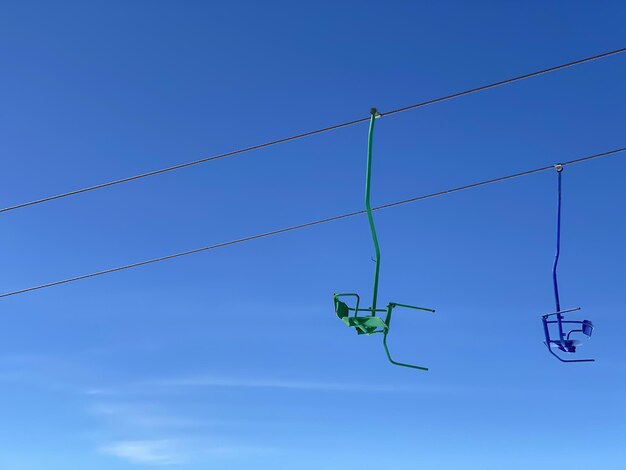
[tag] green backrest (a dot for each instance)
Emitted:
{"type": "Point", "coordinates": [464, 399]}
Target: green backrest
{"type": "Point", "coordinates": [341, 309]}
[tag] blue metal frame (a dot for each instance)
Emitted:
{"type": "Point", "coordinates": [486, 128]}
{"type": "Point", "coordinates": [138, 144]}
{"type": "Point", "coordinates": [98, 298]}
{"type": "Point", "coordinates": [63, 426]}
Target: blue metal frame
{"type": "Point", "coordinates": [563, 343]}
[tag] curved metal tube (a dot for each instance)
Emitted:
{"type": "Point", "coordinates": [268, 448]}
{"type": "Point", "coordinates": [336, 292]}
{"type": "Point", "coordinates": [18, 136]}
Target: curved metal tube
{"type": "Point", "coordinates": [555, 282]}
{"type": "Point", "coordinates": [368, 208]}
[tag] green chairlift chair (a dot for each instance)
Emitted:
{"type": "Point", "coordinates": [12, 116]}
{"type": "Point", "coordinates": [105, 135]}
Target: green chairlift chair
{"type": "Point", "coordinates": [370, 323]}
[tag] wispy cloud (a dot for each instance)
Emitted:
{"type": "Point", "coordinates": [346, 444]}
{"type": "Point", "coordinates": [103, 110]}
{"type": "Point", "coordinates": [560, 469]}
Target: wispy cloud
{"type": "Point", "coordinates": [139, 416]}
{"type": "Point", "coordinates": [179, 384]}
{"type": "Point", "coordinates": [285, 384]}
{"type": "Point", "coordinates": [96, 391]}
{"type": "Point", "coordinates": [155, 452]}
{"type": "Point", "coordinates": [177, 452]}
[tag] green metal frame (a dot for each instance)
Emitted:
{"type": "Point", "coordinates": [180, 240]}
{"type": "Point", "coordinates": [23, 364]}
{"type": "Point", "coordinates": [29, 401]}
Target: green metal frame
{"type": "Point", "coordinates": [371, 324]}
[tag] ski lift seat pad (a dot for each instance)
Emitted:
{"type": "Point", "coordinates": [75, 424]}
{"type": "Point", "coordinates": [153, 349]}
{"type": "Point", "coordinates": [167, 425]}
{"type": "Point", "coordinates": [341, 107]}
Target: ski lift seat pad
{"type": "Point", "coordinates": [364, 325]}
{"type": "Point", "coordinates": [568, 345]}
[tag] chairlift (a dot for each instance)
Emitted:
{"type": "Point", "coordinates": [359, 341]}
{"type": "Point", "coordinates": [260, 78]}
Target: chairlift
{"type": "Point", "coordinates": [565, 328]}
{"type": "Point", "coordinates": [369, 322]}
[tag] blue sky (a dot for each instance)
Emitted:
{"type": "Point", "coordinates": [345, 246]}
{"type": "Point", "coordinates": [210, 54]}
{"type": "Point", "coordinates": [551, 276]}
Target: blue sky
{"type": "Point", "coordinates": [234, 359]}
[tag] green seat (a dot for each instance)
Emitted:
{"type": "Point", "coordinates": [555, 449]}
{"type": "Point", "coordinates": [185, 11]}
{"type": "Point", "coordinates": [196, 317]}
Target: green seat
{"type": "Point", "coordinates": [364, 325]}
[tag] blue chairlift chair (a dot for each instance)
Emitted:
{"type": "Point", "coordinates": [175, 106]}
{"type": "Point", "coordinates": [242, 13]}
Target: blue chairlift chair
{"type": "Point", "coordinates": [562, 341]}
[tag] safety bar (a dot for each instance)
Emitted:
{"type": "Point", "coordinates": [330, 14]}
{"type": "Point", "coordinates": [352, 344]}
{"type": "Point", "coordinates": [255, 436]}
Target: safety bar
{"type": "Point", "coordinates": [561, 312]}
{"type": "Point", "coordinates": [394, 304]}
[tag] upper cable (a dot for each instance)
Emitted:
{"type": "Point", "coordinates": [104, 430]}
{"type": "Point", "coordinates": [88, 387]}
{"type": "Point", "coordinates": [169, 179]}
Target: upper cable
{"type": "Point", "coordinates": [311, 133]}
